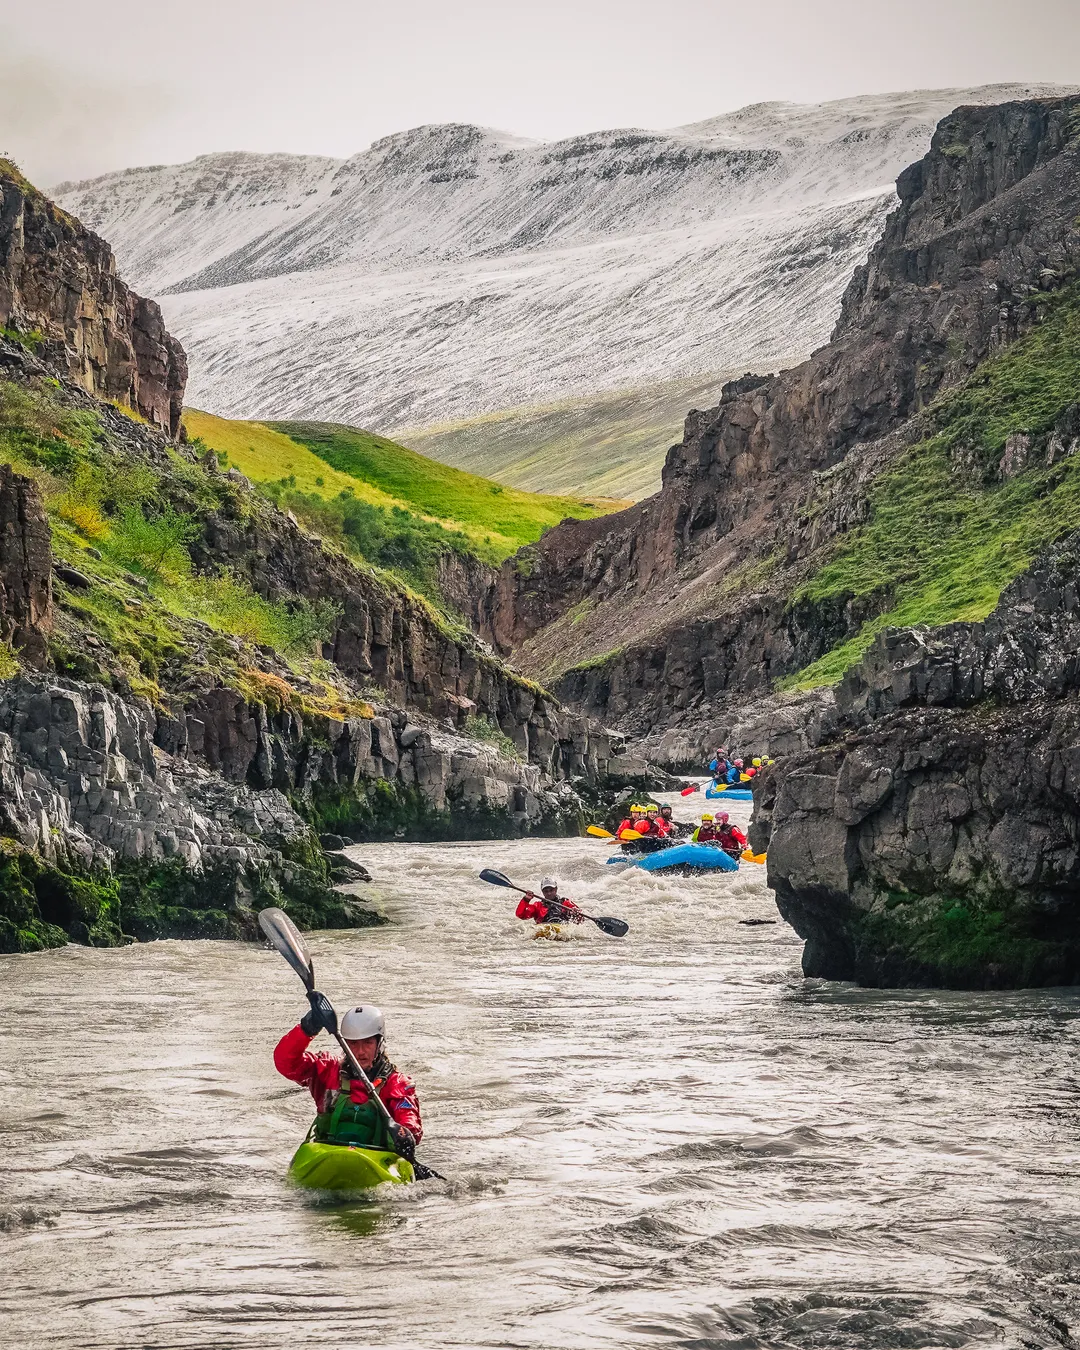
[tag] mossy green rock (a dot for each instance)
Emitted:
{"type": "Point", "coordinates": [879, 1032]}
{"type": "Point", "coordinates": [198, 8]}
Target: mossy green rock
{"type": "Point", "coordinates": [42, 905]}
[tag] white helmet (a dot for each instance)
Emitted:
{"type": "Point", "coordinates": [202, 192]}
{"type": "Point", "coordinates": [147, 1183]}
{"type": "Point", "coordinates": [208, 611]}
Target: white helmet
{"type": "Point", "coordinates": [361, 1022]}
{"type": "Point", "coordinates": [549, 881]}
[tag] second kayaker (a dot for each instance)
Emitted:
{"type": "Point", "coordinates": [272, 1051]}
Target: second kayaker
{"type": "Point", "coordinates": [346, 1113]}
{"type": "Point", "coordinates": [549, 906]}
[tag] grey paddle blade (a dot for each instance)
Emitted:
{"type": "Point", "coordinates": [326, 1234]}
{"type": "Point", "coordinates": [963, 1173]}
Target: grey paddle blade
{"type": "Point", "coordinates": [497, 878]}
{"type": "Point", "coordinates": [613, 927]}
{"type": "Point", "coordinates": [286, 937]}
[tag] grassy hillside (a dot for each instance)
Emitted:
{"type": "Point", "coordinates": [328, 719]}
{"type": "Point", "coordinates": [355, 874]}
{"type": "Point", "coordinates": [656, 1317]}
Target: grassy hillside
{"type": "Point", "coordinates": [324, 462]}
{"type": "Point", "coordinates": [134, 613]}
{"type": "Point", "coordinates": [946, 533]}
{"type": "Point", "coordinates": [612, 443]}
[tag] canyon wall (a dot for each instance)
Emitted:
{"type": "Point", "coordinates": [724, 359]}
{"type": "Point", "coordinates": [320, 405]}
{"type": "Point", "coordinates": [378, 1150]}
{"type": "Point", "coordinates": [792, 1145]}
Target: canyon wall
{"type": "Point", "coordinates": [688, 594]}
{"type": "Point", "coordinates": [59, 289]}
{"type": "Point", "coordinates": [935, 837]}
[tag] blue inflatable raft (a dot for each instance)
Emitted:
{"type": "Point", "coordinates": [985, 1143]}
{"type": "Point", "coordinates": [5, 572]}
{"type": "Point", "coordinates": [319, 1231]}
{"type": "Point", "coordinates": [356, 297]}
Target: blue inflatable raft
{"type": "Point", "coordinates": [680, 855]}
{"type": "Point", "coordinates": [733, 794]}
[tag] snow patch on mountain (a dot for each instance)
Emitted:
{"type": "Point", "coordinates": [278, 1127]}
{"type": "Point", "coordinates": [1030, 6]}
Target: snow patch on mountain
{"type": "Point", "coordinates": [453, 270]}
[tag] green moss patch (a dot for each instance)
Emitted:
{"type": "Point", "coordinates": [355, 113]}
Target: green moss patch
{"type": "Point", "coordinates": [45, 906]}
{"type": "Point", "coordinates": [944, 535]}
{"type": "Point", "coordinates": [965, 942]}
{"type": "Point", "coordinates": [42, 905]}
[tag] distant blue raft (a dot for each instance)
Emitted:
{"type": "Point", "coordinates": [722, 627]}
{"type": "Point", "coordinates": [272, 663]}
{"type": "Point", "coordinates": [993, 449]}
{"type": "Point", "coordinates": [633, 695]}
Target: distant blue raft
{"type": "Point", "coordinates": [733, 794]}
{"type": "Point", "coordinates": [680, 855]}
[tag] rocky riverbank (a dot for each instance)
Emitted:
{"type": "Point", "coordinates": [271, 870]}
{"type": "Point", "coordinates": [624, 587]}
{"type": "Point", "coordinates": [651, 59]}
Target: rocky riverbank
{"type": "Point", "coordinates": [192, 686]}
{"type": "Point", "coordinates": [935, 839]}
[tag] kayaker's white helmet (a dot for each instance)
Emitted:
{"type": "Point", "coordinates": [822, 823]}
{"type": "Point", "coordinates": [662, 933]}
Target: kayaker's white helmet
{"type": "Point", "coordinates": [552, 882]}
{"type": "Point", "coordinates": [361, 1022]}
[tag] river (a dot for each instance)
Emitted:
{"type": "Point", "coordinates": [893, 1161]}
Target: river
{"type": "Point", "coordinates": [672, 1140]}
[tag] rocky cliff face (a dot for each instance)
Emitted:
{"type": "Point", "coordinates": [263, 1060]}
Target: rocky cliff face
{"type": "Point", "coordinates": [25, 567]}
{"type": "Point", "coordinates": [934, 839]}
{"type": "Point", "coordinates": [169, 765]}
{"type": "Point", "coordinates": [58, 282]}
{"type": "Point", "coordinates": [689, 593]}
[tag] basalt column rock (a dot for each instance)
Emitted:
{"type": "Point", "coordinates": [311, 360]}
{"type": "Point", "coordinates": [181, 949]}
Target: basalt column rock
{"type": "Point", "coordinates": [58, 281]}
{"type": "Point", "coordinates": [25, 567]}
{"type": "Point", "coordinates": [936, 841]}
{"type": "Point", "coordinates": [689, 594]}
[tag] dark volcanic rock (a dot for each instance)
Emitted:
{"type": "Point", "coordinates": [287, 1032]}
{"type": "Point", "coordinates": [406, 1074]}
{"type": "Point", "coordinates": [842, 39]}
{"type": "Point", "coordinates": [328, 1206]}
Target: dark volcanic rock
{"type": "Point", "coordinates": [938, 840]}
{"type": "Point", "coordinates": [58, 279]}
{"type": "Point", "coordinates": [25, 567]}
{"type": "Point", "coordinates": [689, 593]}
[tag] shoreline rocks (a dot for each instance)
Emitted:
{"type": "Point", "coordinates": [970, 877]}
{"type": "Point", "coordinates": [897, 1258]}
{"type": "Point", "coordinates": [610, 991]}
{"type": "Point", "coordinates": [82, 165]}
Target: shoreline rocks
{"type": "Point", "coordinates": [936, 841]}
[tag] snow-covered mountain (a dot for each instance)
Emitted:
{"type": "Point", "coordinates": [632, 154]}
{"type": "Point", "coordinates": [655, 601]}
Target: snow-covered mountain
{"type": "Point", "coordinates": [452, 270]}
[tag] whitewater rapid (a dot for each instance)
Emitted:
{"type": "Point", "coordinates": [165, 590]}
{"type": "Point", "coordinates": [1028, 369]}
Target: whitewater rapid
{"type": "Point", "coordinates": [671, 1140]}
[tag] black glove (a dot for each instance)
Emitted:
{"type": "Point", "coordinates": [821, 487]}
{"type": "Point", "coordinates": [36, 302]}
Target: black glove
{"type": "Point", "coordinates": [404, 1142]}
{"type": "Point", "coordinates": [317, 1018]}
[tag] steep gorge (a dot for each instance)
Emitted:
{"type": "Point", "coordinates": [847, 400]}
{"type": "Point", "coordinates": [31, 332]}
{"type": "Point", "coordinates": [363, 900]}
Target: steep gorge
{"type": "Point", "coordinates": [190, 681]}
{"type": "Point", "coordinates": [705, 594]}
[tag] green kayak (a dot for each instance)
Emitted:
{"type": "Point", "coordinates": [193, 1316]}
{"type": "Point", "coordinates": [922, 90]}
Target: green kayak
{"type": "Point", "coordinates": [343, 1167]}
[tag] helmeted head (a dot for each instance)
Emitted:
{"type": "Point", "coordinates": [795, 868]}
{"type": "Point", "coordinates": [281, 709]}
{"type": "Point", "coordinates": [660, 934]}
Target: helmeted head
{"type": "Point", "coordinates": [363, 1027]}
{"type": "Point", "coordinates": [757, 763]}
{"type": "Point", "coordinates": [636, 810]}
{"type": "Point", "coordinates": [707, 818]}
{"type": "Point", "coordinates": [665, 810]}
{"type": "Point", "coordinates": [550, 884]}
{"type": "Point", "coordinates": [723, 817]}
{"type": "Point", "coordinates": [738, 763]}
{"type": "Point", "coordinates": [652, 809]}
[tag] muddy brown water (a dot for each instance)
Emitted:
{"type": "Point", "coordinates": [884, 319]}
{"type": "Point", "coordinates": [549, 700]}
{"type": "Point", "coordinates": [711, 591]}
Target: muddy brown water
{"type": "Point", "coordinates": [667, 1141]}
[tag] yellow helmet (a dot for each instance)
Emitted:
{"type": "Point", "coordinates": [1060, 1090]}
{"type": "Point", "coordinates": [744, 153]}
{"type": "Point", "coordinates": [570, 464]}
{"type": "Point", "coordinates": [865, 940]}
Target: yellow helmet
{"type": "Point", "coordinates": [757, 763]}
{"type": "Point", "coordinates": [708, 815]}
{"type": "Point", "coordinates": [636, 810]}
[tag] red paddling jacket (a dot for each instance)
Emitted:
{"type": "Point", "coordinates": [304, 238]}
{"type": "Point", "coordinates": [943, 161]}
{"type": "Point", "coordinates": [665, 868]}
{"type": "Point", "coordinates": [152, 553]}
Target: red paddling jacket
{"type": "Point", "coordinates": [321, 1075]}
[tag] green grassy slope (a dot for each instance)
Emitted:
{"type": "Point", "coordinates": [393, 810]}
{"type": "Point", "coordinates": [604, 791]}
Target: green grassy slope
{"type": "Point", "coordinates": [410, 503]}
{"type": "Point", "coordinates": [612, 443]}
{"type": "Point", "coordinates": [946, 534]}
{"type": "Point", "coordinates": [434, 489]}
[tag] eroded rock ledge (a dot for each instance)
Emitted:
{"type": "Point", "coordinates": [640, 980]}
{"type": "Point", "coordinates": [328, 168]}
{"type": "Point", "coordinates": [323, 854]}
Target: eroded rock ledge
{"type": "Point", "coordinates": [936, 841]}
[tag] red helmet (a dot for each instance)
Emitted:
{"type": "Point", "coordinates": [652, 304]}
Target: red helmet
{"type": "Point", "coordinates": [724, 815]}
{"type": "Point", "coordinates": [738, 763]}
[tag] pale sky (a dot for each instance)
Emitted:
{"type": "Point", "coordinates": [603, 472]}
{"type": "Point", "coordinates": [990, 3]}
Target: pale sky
{"type": "Point", "coordinates": [85, 88]}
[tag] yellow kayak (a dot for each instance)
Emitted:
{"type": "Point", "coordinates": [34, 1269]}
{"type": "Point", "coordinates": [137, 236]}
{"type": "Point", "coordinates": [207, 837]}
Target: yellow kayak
{"type": "Point", "coordinates": [343, 1167]}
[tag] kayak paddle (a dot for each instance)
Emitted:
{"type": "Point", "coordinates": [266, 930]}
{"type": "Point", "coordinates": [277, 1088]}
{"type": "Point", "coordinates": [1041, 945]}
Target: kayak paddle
{"type": "Point", "coordinates": [747, 856]}
{"type": "Point", "coordinates": [694, 787]}
{"type": "Point", "coordinates": [612, 927]}
{"type": "Point", "coordinates": [598, 832]}
{"type": "Point", "coordinates": [284, 935]}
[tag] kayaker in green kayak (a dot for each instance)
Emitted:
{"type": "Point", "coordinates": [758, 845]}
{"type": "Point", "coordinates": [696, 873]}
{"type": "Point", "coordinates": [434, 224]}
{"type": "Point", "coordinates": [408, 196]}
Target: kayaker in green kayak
{"type": "Point", "coordinates": [346, 1113]}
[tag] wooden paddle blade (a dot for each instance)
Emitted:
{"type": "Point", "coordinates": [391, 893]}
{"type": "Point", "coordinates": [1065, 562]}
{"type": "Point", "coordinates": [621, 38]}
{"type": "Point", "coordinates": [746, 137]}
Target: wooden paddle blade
{"type": "Point", "coordinates": [497, 879]}
{"type": "Point", "coordinates": [598, 832]}
{"type": "Point", "coordinates": [286, 937]}
{"type": "Point", "coordinates": [613, 927]}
